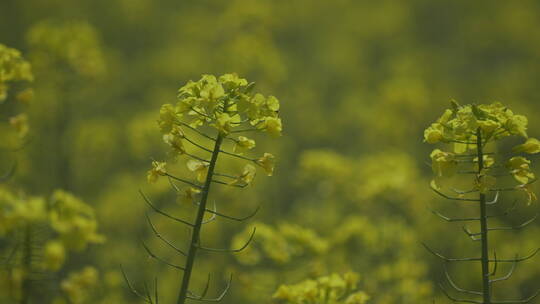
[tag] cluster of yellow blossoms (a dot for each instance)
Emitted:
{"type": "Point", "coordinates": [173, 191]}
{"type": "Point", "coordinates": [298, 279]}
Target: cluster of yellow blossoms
{"type": "Point", "coordinates": [13, 69]}
{"type": "Point", "coordinates": [225, 104]}
{"type": "Point", "coordinates": [333, 289]}
{"type": "Point", "coordinates": [460, 126]}
{"type": "Point", "coordinates": [78, 285]}
{"type": "Point", "coordinates": [72, 221]}
{"type": "Point", "coordinates": [280, 245]}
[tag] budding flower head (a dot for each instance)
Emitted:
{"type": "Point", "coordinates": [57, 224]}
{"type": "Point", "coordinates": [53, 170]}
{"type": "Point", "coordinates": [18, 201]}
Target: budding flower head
{"type": "Point", "coordinates": [472, 130]}
{"type": "Point", "coordinates": [215, 109]}
{"type": "Point", "coordinates": [224, 103]}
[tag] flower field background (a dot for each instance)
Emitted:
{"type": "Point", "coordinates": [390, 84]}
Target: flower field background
{"type": "Point", "coordinates": [348, 206]}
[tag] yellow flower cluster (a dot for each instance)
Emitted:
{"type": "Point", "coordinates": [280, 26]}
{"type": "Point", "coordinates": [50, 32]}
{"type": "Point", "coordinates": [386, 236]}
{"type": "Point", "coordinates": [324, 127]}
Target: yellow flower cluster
{"type": "Point", "coordinates": [223, 103]}
{"type": "Point", "coordinates": [78, 285]}
{"type": "Point", "coordinates": [461, 125]}
{"type": "Point", "coordinates": [227, 105]}
{"type": "Point", "coordinates": [332, 289]}
{"type": "Point", "coordinates": [279, 245]}
{"type": "Point", "coordinates": [72, 220]}
{"type": "Point", "coordinates": [13, 68]}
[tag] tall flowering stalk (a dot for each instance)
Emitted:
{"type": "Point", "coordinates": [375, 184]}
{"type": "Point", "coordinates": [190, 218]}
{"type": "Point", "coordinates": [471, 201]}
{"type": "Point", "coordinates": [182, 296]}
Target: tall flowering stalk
{"type": "Point", "coordinates": [226, 107]}
{"type": "Point", "coordinates": [474, 132]}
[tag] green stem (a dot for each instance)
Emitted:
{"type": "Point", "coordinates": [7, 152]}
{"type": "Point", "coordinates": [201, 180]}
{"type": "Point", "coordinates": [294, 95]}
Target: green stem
{"type": "Point", "coordinates": [27, 264]}
{"type": "Point", "coordinates": [195, 235]}
{"type": "Point", "coordinates": [486, 288]}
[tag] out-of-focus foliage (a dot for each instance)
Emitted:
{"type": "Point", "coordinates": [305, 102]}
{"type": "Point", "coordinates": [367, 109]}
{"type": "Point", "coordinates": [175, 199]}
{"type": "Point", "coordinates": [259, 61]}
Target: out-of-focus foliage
{"type": "Point", "coordinates": [14, 70]}
{"type": "Point", "coordinates": [331, 289]}
{"type": "Point", "coordinates": [37, 233]}
{"type": "Point", "coordinates": [358, 82]}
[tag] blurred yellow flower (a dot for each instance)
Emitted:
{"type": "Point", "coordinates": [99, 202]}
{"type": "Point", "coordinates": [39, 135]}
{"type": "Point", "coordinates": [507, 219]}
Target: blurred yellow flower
{"type": "Point", "coordinates": [54, 255]}
{"type": "Point", "coordinates": [199, 167]}
{"type": "Point", "coordinates": [272, 125]}
{"type": "Point", "coordinates": [188, 195]}
{"type": "Point", "coordinates": [243, 144]}
{"type": "Point", "coordinates": [247, 176]}
{"type": "Point", "coordinates": [20, 124]}
{"type": "Point", "coordinates": [267, 162]}
{"type": "Point", "coordinates": [443, 163]}
{"type": "Point", "coordinates": [520, 169]}
{"type": "Point", "coordinates": [531, 146]}
{"type": "Point", "coordinates": [158, 169]}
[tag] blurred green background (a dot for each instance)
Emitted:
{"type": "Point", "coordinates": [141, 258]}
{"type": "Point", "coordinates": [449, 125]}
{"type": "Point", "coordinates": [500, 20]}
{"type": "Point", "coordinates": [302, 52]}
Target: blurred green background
{"type": "Point", "coordinates": [358, 82]}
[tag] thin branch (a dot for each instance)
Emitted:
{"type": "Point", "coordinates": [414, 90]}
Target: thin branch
{"type": "Point", "coordinates": [453, 198]}
{"type": "Point", "coordinates": [197, 131]}
{"type": "Point", "coordinates": [147, 292]}
{"type": "Point", "coordinates": [449, 219]}
{"type": "Point", "coordinates": [197, 145]}
{"type": "Point", "coordinates": [158, 235]}
{"type": "Point", "coordinates": [151, 254]}
{"type": "Point", "coordinates": [246, 130]}
{"type": "Point", "coordinates": [529, 299]}
{"type": "Point", "coordinates": [238, 219]}
{"type": "Point", "coordinates": [196, 157]}
{"type": "Point", "coordinates": [457, 191]}
{"type": "Point", "coordinates": [495, 200]}
{"type": "Point", "coordinates": [231, 250]}
{"type": "Point", "coordinates": [229, 184]}
{"type": "Point", "coordinates": [450, 259]}
{"type": "Point", "coordinates": [494, 272]}
{"type": "Point", "coordinates": [456, 299]}
{"type": "Point", "coordinates": [515, 227]}
{"type": "Point", "coordinates": [516, 188]}
{"type": "Point", "coordinates": [461, 142]}
{"type": "Point", "coordinates": [183, 181]}
{"type": "Point", "coordinates": [202, 114]}
{"type": "Point", "coordinates": [238, 155]}
{"type": "Point", "coordinates": [164, 213]}
{"type": "Point", "coordinates": [473, 236]}
{"type": "Point", "coordinates": [133, 290]}
{"type": "Point", "coordinates": [518, 259]}
{"type": "Point", "coordinates": [506, 212]}
{"type": "Point", "coordinates": [454, 285]}
{"type": "Point", "coordinates": [225, 175]}
{"type": "Point", "coordinates": [213, 217]}
{"type": "Point", "coordinates": [205, 290]}
{"type": "Point", "coordinates": [220, 297]}
{"type": "Point", "coordinates": [507, 276]}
